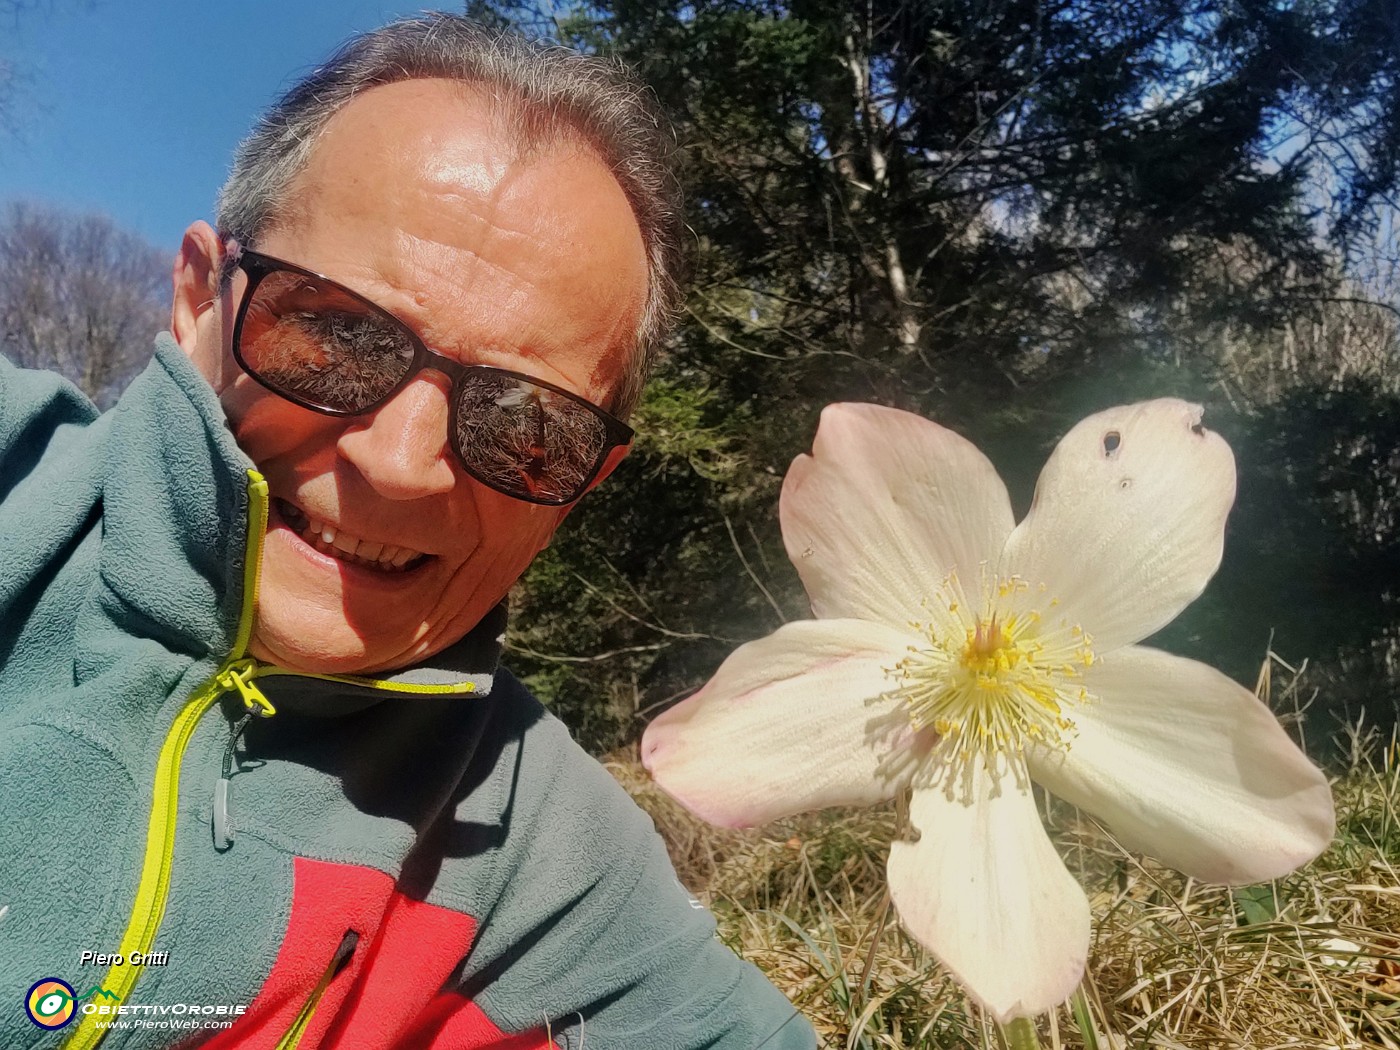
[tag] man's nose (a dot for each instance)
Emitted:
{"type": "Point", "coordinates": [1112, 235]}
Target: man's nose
{"type": "Point", "coordinates": [401, 449]}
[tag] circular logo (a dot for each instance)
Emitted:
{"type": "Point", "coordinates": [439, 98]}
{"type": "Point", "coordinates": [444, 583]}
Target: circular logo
{"type": "Point", "coordinates": [50, 1003]}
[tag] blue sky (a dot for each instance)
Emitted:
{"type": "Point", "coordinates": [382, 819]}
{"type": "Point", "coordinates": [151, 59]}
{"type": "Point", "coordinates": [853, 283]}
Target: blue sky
{"type": "Point", "coordinates": [134, 107]}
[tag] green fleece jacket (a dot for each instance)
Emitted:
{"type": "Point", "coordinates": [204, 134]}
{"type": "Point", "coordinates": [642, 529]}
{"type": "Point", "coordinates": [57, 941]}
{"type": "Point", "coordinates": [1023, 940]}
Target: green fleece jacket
{"type": "Point", "coordinates": [423, 861]}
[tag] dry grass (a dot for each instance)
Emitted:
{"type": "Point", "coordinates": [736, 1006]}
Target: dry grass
{"type": "Point", "coordinates": [1173, 964]}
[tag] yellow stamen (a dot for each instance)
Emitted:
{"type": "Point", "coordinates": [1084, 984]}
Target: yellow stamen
{"type": "Point", "coordinates": [997, 682]}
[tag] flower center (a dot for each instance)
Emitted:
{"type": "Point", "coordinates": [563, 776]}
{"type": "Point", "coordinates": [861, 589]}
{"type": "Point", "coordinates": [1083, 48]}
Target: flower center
{"type": "Point", "coordinates": [995, 681]}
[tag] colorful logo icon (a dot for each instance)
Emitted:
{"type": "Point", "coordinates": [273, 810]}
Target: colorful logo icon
{"type": "Point", "coordinates": [51, 1003]}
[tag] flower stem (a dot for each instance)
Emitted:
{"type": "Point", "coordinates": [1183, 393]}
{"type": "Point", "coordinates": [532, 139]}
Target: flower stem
{"type": "Point", "coordinates": [1020, 1034]}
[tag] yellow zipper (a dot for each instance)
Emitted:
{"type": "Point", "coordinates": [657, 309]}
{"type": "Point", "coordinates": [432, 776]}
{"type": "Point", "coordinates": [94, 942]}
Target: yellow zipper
{"type": "Point", "coordinates": [291, 1039]}
{"type": "Point", "coordinates": [153, 890]}
{"type": "Point", "coordinates": [419, 689]}
{"type": "Point", "coordinates": [235, 674]}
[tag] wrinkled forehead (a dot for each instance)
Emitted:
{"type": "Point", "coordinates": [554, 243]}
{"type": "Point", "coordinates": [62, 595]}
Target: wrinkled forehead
{"type": "Point", "coordinates": [518, 233]}
{"type": "Point", "coordinates": [433, 119]}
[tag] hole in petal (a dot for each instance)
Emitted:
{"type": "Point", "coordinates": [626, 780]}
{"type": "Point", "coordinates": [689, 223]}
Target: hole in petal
{"type": "Point", "coordinates": [1125, 483]}
{"type": "Point", "coordinates": [1111, 442]}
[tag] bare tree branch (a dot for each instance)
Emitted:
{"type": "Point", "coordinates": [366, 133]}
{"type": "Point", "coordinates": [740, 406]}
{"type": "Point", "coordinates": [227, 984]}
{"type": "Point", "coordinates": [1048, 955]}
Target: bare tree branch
{"type": "Point", "coordinates": [80, 296]}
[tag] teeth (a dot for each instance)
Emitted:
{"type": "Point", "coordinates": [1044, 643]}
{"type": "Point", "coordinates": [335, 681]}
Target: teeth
{"type": "Point", "coordinates": [327, 539]}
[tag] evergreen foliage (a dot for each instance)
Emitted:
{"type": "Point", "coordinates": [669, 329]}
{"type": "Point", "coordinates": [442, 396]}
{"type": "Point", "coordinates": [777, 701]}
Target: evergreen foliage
{"type": "Point", "coordinates": [1002, 215]}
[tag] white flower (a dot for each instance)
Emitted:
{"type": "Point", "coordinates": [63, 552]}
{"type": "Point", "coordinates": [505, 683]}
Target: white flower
{"type": "Point", "coordinates": [964, 656]}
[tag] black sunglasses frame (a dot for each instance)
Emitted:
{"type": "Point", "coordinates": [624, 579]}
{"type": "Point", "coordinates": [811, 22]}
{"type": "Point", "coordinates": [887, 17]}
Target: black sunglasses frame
{"type": "Point", "coordinates": [257, 266]}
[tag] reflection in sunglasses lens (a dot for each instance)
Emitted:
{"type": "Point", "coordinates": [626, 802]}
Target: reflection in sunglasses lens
{"type": "Point", "coordinates": [318, 343]}
{"type": "Point", "coordinates": [324, 348]}
{"type": "Point", "coordinates": [526, 440]}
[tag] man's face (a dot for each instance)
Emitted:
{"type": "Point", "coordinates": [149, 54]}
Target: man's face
{"type": "Point", "coordinates": [533, 263]}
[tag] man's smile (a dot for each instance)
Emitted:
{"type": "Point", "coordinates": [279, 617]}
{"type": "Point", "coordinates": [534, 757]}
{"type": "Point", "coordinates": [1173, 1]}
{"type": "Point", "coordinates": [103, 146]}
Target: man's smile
{"type": "Point", "coordinates": [337, 543]}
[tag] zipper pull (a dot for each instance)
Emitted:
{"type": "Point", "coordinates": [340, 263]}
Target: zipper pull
{"type": "Point", "coordinates": [223, 834]}
{"type": "Point", "coordinates": [223, 829]}
{"type": "Point", "coordinates": [239, 676]}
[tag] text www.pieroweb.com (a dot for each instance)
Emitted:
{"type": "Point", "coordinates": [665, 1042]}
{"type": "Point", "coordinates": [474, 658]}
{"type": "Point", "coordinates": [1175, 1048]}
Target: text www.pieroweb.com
{"type": "Point", "coordinates": [148, 1016]}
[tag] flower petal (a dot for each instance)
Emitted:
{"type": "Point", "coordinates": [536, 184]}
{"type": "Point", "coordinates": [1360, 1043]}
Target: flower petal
{"type": "Point", "coordinates": [1186, 765]}
{"type": "Point", "coordinates": [791, 722]}
{"type": "Point", "coordinates": [887, 504]}
{"type": "Point", "coordinates": [984, 890]}
{"type": "Point", "coordinates": [1128, 520]}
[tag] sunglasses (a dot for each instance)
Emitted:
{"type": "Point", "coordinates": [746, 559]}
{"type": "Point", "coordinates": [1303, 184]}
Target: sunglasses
{"type": "Point", "coordinates": [326, 348]}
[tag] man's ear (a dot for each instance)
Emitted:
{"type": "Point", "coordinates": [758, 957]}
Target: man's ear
{"type": "Point", "coordinates": [195, 316]}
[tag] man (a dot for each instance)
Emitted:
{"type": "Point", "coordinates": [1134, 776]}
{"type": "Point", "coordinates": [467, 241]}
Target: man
{"type": "Point", "coordinates": [260, 765]}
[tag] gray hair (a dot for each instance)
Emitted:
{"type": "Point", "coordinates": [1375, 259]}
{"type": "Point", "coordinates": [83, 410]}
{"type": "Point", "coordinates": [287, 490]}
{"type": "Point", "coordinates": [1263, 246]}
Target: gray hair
{"type": "Point", "coordinates": [557, 91]}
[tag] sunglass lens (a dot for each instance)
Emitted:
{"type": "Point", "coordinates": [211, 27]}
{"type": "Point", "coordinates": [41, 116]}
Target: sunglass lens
{"type": "Point", "coordinates": [319, 344]}
{"type": "Point", "coordinates": [525, 440]}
